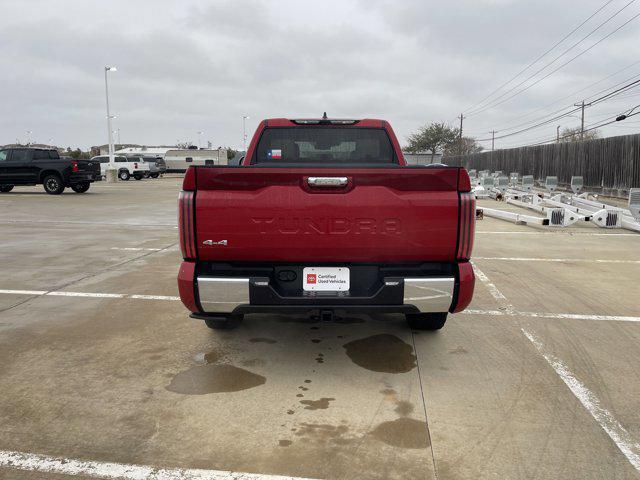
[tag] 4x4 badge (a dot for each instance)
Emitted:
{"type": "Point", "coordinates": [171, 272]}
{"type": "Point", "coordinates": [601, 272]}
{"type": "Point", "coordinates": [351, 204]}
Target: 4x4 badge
{"type": "Point", "coordinates": [211, 242]}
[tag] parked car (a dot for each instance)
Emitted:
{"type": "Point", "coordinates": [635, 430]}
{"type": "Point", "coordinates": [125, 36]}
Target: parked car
{"type": "Point", "coordinates": [127, 167]}
{"type": "Point", "coordinates": [155, 167]}
{"type": "Point", "coordinates": [162, 165]}
{"type": "Point", "coordinates": [34, 166]}
{"type": "Point", "coordinates": [343, 224]}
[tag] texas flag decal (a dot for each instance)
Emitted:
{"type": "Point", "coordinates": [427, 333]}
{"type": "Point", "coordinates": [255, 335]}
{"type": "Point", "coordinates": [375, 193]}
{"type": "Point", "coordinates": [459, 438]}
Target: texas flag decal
{"type": "Point", "coordinates": [275, 154]}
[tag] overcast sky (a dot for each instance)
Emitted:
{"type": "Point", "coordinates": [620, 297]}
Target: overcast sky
{"type": "Point", "coordinates": [189, 66]}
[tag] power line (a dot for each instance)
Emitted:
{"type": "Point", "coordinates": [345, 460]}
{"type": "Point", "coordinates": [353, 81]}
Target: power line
{"type": "Point", "coordinates": [589, 129]}
{"type": "Point", "coordinates": [573, 110]}
{"type": "Point", "coordinates": [572, 94]}
{"type": "Point", "coordinates": [495, 103]}
{"type": "Point", "coordinates": [541, 56]}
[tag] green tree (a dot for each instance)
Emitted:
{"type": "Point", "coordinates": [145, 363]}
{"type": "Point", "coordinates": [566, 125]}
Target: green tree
{"type": "Point", "coordinates": [231, 153]}
{"type": "Point", "coordinates": [573, 135]}
{"type": "Point", "coordinates": [436, 136]}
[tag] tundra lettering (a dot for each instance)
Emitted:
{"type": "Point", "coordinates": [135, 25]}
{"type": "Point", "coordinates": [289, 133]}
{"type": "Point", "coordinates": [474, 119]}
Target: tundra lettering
{"type": "Point", "coordinates": [322, 226]}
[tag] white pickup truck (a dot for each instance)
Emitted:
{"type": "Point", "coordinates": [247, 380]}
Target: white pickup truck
{"type": "Point", "coordinates": [127, 167]}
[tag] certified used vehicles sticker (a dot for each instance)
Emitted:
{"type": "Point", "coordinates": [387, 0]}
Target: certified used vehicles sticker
{"type": "Point", "coordinates": [332, 279]}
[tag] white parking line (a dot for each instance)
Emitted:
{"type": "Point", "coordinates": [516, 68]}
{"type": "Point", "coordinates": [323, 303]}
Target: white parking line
{"type": "Point", "coordinates": [561, 260]}
{"type": "Point", "coordinates": [58, 293]}
{"type": "Point", "coordinates": [566, 316]}
{"type": "Point", "coordinates": [110, 470]}
{"type": "Point", "coordinates": [620, 436]}
{"type": "Point", "coordinates": [590, 401]}
{"type": "Point", "coordinates": [508, 309]}
{"type": "Point", "coordinates": [493, 290]}
{"type": "Point", "coordinates": [557, 232]}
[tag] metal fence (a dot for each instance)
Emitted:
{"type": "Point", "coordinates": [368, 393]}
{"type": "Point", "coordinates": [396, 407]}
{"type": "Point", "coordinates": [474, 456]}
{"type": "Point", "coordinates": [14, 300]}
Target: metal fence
{"type": "Point", "coordinates": [610, 165]}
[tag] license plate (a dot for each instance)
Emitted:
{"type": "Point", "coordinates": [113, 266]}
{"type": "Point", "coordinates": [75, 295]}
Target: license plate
{"type": "Point", "coordinates": [327, 279]}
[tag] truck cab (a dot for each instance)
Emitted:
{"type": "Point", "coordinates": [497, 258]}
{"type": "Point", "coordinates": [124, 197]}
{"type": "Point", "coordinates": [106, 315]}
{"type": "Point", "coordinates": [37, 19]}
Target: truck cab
{"type": "Point", "coordinates": [325, 216]}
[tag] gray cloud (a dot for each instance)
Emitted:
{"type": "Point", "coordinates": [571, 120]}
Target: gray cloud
{"type": "Point", "coordinates": [198, 65]}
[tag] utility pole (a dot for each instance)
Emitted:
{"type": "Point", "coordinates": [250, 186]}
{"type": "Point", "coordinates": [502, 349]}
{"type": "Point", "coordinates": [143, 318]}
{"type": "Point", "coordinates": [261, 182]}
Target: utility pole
{"type": "Point", "coordinates": [582, 105]}
{"type": "Point", "coordinates": [460, 135]}
{"type": "Point", "coordinates": [558, 134]}
{"type": "Point", "coordinates": [493, 139]}
{"type": "Point", "coordinates": [111, 170]}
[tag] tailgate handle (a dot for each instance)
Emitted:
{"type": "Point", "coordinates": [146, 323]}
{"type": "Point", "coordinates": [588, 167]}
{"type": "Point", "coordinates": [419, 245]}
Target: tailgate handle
{"type": "Point", "coordinates": [328, 182]}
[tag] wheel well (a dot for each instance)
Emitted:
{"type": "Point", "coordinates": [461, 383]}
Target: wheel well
{"type": "Point", "coordinates": [123, 170]}
{"type": "Point", "coordinates": [44, 174]}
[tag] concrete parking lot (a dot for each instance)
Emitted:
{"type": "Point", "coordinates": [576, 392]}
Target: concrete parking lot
{"type": "Point", "coordinates": [101, 370]}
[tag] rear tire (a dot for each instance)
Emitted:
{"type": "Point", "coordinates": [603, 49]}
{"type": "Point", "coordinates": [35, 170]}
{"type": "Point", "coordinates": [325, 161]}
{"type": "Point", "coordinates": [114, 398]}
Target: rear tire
{"type": "Point", "coordinates": [426, 321]}
{"type": "Point", "coordinates": [53, 184]}
{"type": "Point", "coordinates": [124, 175]}
{"type": "Point", "coordinates": [6, 188]}
{"type": "Point", "coordinates": [80, 187]}
{"type": "Point", "coordinates": [223, 322]}
{"type": "Point", "coordinates": [138, 177]}
{"type": "Point", "coordinates": [154, 175]}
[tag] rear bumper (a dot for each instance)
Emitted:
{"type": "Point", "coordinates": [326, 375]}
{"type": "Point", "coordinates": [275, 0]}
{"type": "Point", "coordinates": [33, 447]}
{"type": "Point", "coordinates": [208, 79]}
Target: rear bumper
{"type": "Point", "coordinates": [82, 177]}
{"type": "Point", "coordinates": [211, 294]}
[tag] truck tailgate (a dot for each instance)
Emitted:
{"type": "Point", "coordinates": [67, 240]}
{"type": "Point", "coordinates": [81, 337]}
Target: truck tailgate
{"type": "Point", "coordinates": [393, 215]}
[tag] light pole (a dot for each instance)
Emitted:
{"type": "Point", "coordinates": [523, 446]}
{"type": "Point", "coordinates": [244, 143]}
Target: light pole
{"type": "Point", "coordinates": [200, 140]}
{"type": "Point", "coordinates": [244, 131]}
{"type": "Point", "coordinates": [558, 133]}
{"type": "Point", "coordinates": [109, 174]}
{"type": "Point", "coordinates": [29, 132]}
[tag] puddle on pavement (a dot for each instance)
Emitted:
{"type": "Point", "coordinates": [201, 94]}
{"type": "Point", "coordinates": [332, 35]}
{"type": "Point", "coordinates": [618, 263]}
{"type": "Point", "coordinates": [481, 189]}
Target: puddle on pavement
{"type": "Point", "coordinates": [458, 350]}
{"type": "Point", "coordinates": [402, 433]}
{"type": "Point", "coordinates": [325, 433]}
{"type": "Point", "coordinates": [262, 340]}
{"type": "Point", "coordinates": [403, 408]}
{"type": "Point", "coordinates": [205, 358]}
{"type": "Point", "coordinates": [254, 362]}
{"type": "Point", "coordinates": [205, 379]}
{"type": "Point", "coordinates": [321, 404]}
{"type": "Point", "coordinates": [382, 353]}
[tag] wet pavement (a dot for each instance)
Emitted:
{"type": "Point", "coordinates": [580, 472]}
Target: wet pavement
{"type": "Point", "coordinates": [115, 376]}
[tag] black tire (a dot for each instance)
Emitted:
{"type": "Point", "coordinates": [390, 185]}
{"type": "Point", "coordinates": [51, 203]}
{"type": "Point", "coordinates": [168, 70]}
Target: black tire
{"type": "Point", "coordinates": [52, 184]}
{"type": "Point", "coordinates": [223, 322]}
{"type": "Point", "coordinates": [124, 175]}
{"type": "Point", "coordinates": [426, 321]}
{"type": "Point", "coordinates": [6, 188]}
{"type": "Point", "coordinates": [154, 175]}
{"type": "Point", "coordinates": [137, 177]}
{"type": "Point", "coordinates": [80, 187]}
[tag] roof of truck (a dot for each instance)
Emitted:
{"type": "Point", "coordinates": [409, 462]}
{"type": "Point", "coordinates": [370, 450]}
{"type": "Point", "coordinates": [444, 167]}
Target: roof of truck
{"type": "Point", "coordinates": [293, 122]}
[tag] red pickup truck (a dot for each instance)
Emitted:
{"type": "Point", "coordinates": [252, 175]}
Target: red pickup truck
{"type": "Point", "coordinates": [325, 216]}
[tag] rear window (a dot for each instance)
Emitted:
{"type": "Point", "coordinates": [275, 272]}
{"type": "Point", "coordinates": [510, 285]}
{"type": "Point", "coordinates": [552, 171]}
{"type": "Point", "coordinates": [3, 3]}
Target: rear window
{"type": "Point", "coordinates": [324, 146]}
{"type": "Point", "coordinates": [46, 155]}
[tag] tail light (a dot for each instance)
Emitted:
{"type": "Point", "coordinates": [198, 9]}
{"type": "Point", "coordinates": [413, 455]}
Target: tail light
{"type": "Point", "coordinates": [74, 166]}
{"type": "Point", "coordinates": [186, 225]}
{"type": "Point", "coordinates": [135, 166]}
{"type": "Point", "coordinates": [467, 225]}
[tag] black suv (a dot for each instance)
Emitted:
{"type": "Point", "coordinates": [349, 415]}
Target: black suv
{"type": "Point", "coordinates": [32, 166]}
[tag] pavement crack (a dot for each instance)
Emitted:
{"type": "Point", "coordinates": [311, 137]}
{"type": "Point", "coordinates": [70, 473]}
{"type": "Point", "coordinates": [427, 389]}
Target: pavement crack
{"type": "Point", "coordinates": [424, 406]}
